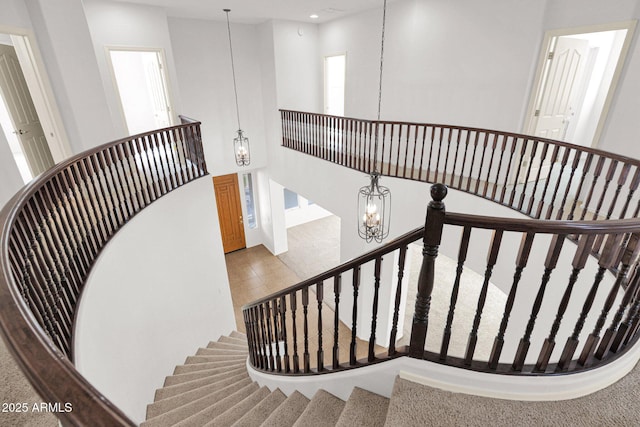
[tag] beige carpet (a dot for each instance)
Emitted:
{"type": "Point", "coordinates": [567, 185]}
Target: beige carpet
{"type": "Point", "coordinates": [16, 389]}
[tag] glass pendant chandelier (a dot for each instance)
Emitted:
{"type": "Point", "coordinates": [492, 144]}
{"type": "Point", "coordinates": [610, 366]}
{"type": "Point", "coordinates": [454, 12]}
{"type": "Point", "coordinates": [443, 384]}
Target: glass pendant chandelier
{"type": "Point", "coordinates": [374, 200]}
{"type": "Point", "coordinates": [240, 142]}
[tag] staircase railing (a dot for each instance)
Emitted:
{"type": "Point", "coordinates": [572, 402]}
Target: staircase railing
{"type": "Point", "coordinates": [549, 180]}
{"type": "Point", "coordinates": [53, 231]}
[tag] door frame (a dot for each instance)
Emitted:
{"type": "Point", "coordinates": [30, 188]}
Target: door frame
{"type": "Point", "coordinates": [165, 78]}
{"type": "Point", "coordinates": [32, 64]}
{"type": "Point", "coordinates": [548, 41]}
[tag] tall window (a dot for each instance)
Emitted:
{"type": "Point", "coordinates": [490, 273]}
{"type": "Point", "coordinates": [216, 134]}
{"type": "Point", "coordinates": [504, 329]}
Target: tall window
{"type": "Point", "coordinates": [249, 201]}
{"type": "Point", "coordinates": [334, 79]}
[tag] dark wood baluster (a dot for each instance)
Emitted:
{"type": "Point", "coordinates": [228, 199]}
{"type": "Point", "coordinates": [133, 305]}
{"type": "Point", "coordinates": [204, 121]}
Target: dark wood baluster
{"type": "Point", "coordinates": [383, 140]}
{"type": "Point", "coordinates": [275, 311]}
{"type": "Point", "coordinates": [521, 263]}
{"type": "Point", "coordinates": [80, 209]}
{"type": "Point", "coordinates": [249, 340]}
{"type": "Point", "coordinates": [606, 261]}
{"type": "Point", "coordinates": [183, 154]}
{"type": "Point", "coordinates": [626, 326]}
{"type": "Point", "coordinates": [607, 181]}
{"type": "Point", "coordinates": [632, 189]}
{"type": "Point", "coordinates": [493, 150]}
{"type": "Point", "coordinates": [431, 242]}
{"type": "Point", "coordinates": [625, 257]}
{"type": "Point", "coordinates": [305, 311]}
{"type": "Point", "coordinates": [464, 161]}
{"type": "Point", "coordinates": [161, 159]}
{"type": "Point", "coordinates": [33, 281]}
{"type": "Point", "coordinates": [374, 316]}
{"type": "Point", "coordinates": [116, 185]}
{"type": "Point", "coordinates": [622, 179]}
{"type": "Point", "coordinates": [462, 256]}
{"type": "Point", "coordinates": [446, 158]}
{"type": "Point", "coordinates": [629, 257]}
{"type": "Point", "coordinates": [145, 164]}
{"type": "Point", "coordinates": [261, 348]}
{"type": "Point", "coordinates": [563, 164]}
{"type": "Point", "coordinates": [110, 187]}
{"type": "Point", "coordinates": [579, 260]}
{"type": "Point", "coordinates": [543, 157]}
{"type": "Point", "coordinates": [440, 138]}
{"type": "Point", "coordinates": [399, 147]}
{"type": "Point", "coordinates": [396, 307]}
{"type": "Point", "coordinates": [296, 359]}
{"type": "Point", "coordinates": [70, 229]}
{"type": "Point", "coordinates": [481, 164]}
{"type": "Point", "coordinates": [550, 264]}
{"type": "Point", "coordinates": [354, 316]}
{"type": "Point", "coordinates": [100, 206]}
{"type": "Point", "coordinates": [20, 270]}
{"type": "Point", "coordinates": [263, 337]}
{"type": "Point", "coordinates": [319, 298]}
{"type": "Point", "coordinates": [337, 288]}
{"type": "Point", "coordinates": [507, 176]}
{"type": "Point", "coordinates": [596, 175]}
{"type": "Point", "coordinates": [272, 342]}
{"type": "Point", "coordinates": [424, 141]}
{"type": "Point", "coordinates": [40, 278]}
{"type": "Point", "coordinates": [431, 143]}
{"type": "Point", "coordinates": [503, 149]}
{"type": "Point", "coordinates": [117, 159]}
{"type": "Point", "coordinates": [633, 328]}
{"type": "Point", "coordinates": [98, 167]}
{"type": "Point", "coordinates": [406, 148]}
{"type": "Point", "coordinates": [286, 360]}
{"type": "Point", "coordinates": [492, 258]}
{"type": "Point", "coordinates": [541, 202]}
{"type": "Point", "coordinates": [415, 150]}
{"type": "Point", "coordinates": [136, 179]}
{"type": "Point", "coordinates": [455, 157]}
{"type": "Point", "coordinates": [68, 273]}
{"type": "Point", "coordinates": [529, 167]}
{"type": "Point", "coordinates": [473, 158]}
{"type": "Point", "coordinates": [61, 295]}
{"type": "Point", "coordinates": [574, 167]}
{"type": "Point", "coordinates": [585, 171]}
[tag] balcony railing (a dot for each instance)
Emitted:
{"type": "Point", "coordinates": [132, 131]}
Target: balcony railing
{"type": "Point", "coordinates": [52, 233]}
{"type": "Point", "coordinates": [573, 194]}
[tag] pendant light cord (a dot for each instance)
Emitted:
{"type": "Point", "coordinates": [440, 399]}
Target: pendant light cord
{"type": "Point", "coordinates": [233, 68]}
{"type": "Point", "coordinates": [384, 20]}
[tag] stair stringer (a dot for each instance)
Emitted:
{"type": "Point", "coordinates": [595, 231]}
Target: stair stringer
{"type": "Point", "coordinates": [379, 378]}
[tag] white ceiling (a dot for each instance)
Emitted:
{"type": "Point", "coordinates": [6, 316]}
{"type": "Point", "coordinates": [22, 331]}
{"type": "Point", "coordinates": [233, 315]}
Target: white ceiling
{"type": "Point", "coordinates": [256, 11]}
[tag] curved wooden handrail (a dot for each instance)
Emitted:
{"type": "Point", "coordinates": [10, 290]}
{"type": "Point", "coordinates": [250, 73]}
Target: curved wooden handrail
{"type": "Point", "coordinates": [53, 230]}
{"type": "Point", "coordinates": [578, 182]}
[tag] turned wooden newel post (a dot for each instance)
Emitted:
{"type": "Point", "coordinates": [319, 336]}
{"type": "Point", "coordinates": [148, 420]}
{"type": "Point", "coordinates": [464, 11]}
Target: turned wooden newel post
{"type": "Point", "coordinates": [432, 237]}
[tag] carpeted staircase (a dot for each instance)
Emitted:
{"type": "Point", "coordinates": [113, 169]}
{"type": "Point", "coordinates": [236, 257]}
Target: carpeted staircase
{"type": "Point", "coordinates": [213, 388]}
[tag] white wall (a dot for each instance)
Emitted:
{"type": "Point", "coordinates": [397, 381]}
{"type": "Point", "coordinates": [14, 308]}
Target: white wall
{"type": "Point", "coordinates": [115, 24]}
{"type": "Point", "coordinates": [205, 83]}
{"type": "Point", "coordinates": [158, 291]}
{"type": "Point", "coordinates": [65, 42]}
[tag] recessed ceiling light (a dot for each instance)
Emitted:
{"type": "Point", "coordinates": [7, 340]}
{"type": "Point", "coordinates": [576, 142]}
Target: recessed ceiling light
{"type": "Point", "coordinates": [314, 16]}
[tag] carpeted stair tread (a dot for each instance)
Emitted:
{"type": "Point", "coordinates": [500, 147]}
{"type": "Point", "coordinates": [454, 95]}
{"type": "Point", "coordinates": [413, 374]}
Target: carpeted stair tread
{"type": "Point", "coordinates": [214, 358]}
{"type": "Point", "coordinates": [324, 409]}
{"type": "Point", "coordinates": [203, 373]}
{"type": "Point", "coordinates": [236, 412]}
{"type": "Point", "coordinates": [231, 340]}
{"type": "Point", "coordinates": [194, 367]}
{"type": "Point", "coordinates": [170, 403]}
{"type": "Point", "coordinates": [364, 409]}
{"type": "Point", "coordinates": [190, 407]}
{"type": "Point", "coordinates": [173, 390]}
{"type": "Point", "coordinates": [256, 416]}
{"type": "Point", "coordinates": [288, 412]}
{"type": "Point", "coordinates": [228, 346]}
{"type": "Point", "coordinates": [239, 335]}
{"type": "Point", "coordinates": [219, 407]}
{"type": "Point", "coordinates": [218, 351]}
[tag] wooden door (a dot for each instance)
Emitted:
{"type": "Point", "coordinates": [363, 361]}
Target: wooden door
{"type": "Point", "coordinates": [22, 112]}
{"type": "Point", "coordinates": [229, 212]}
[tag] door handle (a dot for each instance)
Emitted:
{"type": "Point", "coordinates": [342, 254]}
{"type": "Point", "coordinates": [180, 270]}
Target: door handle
{"type": "Point", "coordinates": [241, 220]}
{"type": "Point", "coordinates": [20, 132]}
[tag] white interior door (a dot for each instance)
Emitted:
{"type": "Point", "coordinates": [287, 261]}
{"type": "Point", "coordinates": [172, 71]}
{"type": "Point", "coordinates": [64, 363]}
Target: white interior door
{"type": "Point", "coordinates": [142, 86]}
{"type": "Point", "coordinates": [334, 84]}
{"type": "Point", "coordinates": [558, 97]}
{"type": "Point", "coordinates": [556, 101]}
{"type": "Point", "coordinates": [22, 112]}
